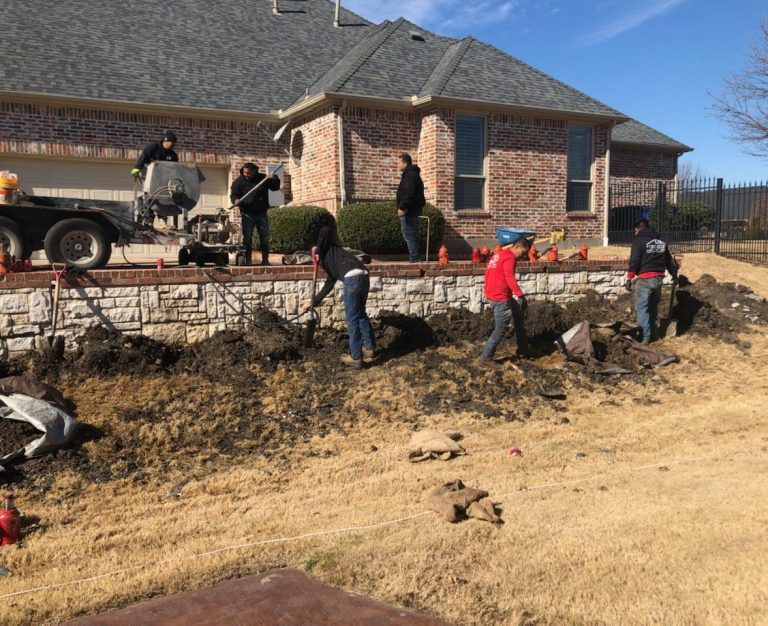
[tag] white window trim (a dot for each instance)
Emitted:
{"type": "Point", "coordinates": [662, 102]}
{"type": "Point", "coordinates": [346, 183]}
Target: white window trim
{"type": "Point", "coordinates": [592, 169]}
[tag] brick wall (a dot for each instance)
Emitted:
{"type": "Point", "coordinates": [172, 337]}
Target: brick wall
{"type": "Point", "coordinates": [632, 165]}
{"type": "Point", "coordinates": [314, 140]}
{"type": "Point", "coordinates": [526, 177]}
{"type": "Point", "coordinates": [43, 130]}
{"type": "Point", "coordinates": [183, 305]}
{"type": "Point", "coordinates": [373, 141]}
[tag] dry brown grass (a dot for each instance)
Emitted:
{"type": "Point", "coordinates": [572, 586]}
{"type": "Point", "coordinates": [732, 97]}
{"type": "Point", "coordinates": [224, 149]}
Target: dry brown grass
{"type": "Point", "coordinates": [669, 527]}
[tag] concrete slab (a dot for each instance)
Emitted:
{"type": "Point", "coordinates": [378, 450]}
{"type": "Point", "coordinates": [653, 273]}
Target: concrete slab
{"type": "Point", "coordinates": [281, 596]}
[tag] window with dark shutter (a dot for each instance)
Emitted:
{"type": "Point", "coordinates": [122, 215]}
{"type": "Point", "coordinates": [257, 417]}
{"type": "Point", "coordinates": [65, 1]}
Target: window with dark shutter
{"type": "Point", "coordinates": [579, 191]}
{"type": "Point", "coordinates": [469, 181]}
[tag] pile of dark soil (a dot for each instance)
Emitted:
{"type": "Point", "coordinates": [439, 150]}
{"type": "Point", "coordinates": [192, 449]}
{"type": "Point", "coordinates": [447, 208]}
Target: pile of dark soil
{"type": "Point", "coordinates": [258, 391]}
{"type": "Point", "coordinates": [101, 352]}
{"type": "Point", "coordinates": [710, 308]}
{"type": "Point", "coordinates": [268, 341]}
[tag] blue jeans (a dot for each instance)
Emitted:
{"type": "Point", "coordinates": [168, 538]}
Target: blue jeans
{"type": "Point", "coordinates": [358, 325]}
{"type": "Point", "coordinates": [409, 226]}
{"type": "Point", "coordinates": [502, 313]}
{"type": "Point", "coordinates": [647, 297]}
{"type": "Point", "coordinates": [259, 221]}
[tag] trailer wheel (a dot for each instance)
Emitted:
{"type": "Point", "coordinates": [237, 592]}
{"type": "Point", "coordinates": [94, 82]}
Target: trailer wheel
{"type": "Point", "coordinates": [79, 243]}
{"type": "Point", "coordinates": [10, 235]}
{"type": "Point", "coordinates": [184, 256]}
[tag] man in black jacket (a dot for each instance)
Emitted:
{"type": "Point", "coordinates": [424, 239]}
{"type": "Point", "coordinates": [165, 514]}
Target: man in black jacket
{"type": "Point", "coordinates": [649, 258]}
{"type": "Point", "coordinates": [254, 207]}
{"type": "Point", "coordinates": [157, 151]}
{"type": "Point", "coordinates": [410, 202]}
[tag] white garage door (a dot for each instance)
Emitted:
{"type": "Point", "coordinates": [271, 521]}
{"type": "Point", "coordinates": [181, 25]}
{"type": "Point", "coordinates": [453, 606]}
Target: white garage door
{"type": "Point", "coordinates": [107, 181]}
{"type": "Point", "coordinates": [102, 181]}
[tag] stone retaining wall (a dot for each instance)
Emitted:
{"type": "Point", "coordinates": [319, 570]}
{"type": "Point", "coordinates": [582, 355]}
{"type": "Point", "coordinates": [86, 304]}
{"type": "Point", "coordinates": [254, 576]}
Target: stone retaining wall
{"type": "Point", "coordinates": [187, 305]}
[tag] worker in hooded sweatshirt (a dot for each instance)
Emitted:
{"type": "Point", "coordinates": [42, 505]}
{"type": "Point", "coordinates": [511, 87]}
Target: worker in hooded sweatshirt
{"type": "Point", "coordinates": [254, 207]}
{"type": "Point", "coordinates": [506, 298]}
{"type": "Point", "coordinates": [156, 151]}
{"type": "Point", "coordinates": [648, 260]}
{"type": "Point", "coordinates": [340, 264]}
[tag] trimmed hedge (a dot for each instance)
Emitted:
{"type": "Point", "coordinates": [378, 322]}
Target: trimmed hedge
{"type": "Point", "coordinates": [375, 228]}
{"type": "Point", "coordinates": [293, 228]}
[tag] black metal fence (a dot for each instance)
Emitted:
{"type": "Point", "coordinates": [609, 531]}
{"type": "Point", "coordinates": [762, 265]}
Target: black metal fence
{"type": "Point", "coordinates": [695, 215]}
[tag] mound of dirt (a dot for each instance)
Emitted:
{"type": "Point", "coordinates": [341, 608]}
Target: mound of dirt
{"type": "Point", "coordinates": [101, 352]}
{"type": "Point", "coordinates": [257, 391]}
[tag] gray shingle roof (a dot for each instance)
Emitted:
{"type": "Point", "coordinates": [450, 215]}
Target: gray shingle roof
{"type": "Point", "coordinates": [237, 55]}
{"type": "Point", "coordinates": [634, 132]}
{"type": "Point", "coordinates": [227, 54]}
{"type": "Point", "coordinates": [391, 64]}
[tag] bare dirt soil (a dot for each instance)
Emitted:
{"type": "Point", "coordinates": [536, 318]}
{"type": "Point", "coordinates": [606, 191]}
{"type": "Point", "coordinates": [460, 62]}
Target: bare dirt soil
{"type": "Point", "coordinates": [248, 437]}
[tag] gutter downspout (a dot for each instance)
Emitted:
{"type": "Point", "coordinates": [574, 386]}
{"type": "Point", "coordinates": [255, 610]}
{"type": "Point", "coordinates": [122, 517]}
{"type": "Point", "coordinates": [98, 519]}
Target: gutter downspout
{"type": "Point", "coordinates": [342, 170]}
{"type": "Point", "coordinates": [607, 200]}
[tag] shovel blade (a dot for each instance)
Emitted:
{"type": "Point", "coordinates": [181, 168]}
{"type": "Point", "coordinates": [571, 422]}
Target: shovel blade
{"type": "Point", "coordinates": [309, 333]}
{"type": "Point", "coordinates": [671, 330]}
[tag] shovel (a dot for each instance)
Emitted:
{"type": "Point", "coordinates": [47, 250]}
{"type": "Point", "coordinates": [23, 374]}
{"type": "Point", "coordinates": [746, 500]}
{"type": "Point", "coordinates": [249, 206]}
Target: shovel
{"type": "Point", "coordinates": [56, 343]}
{"type": "Point", "coordinates": [670, 325]}
{"type": "Point", "coordinates": [309, 331]}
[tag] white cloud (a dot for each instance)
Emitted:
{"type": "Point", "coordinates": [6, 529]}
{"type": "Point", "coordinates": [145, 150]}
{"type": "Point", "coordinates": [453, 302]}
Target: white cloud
{"type": "Point", "coordinates": [629, 21]}
{"type": "Point", "coordinates": [442, 15]}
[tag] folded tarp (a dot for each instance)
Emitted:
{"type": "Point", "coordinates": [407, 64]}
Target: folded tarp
{"type": "Point", "coordinates": [576, 345]}
{"type": "Point", "coordinates": [25, 400]}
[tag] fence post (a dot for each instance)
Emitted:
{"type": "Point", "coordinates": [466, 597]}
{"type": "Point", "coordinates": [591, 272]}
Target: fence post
{"type": "Point", "coordinates": [718, 213]}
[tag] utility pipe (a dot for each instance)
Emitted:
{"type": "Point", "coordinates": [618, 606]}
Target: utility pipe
{"type": "Point", "coordinates": [336, 22]}
{"type": "Point", "coordinates": [342, 170]}
{"type": "Point", "coordinates": [275, 8]}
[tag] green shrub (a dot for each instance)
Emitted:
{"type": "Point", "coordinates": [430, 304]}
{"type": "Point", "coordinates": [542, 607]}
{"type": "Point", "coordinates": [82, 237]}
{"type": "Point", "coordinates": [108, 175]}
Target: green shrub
{"type": "Point", "coordinates": [294, 228]}
{"type": "Point", "coordinates": [374, 227]}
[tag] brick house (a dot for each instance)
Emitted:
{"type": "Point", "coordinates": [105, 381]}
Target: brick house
{"type": "Point", "coordinates": [498, 142]}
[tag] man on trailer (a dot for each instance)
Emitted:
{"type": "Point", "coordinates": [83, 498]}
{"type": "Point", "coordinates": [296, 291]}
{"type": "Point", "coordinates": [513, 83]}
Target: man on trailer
{"type": "Point", "coordinates": [157, 151]}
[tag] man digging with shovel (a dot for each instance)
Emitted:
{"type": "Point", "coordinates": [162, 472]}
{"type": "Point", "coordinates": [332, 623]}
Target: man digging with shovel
{"type": "Point", "coordinates": [649, 258]}
{"type": "Point", "coordinates": [339, 264]}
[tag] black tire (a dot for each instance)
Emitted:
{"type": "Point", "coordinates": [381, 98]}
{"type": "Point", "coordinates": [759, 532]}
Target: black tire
{"type": "Point", "coordinates": [10, 234]}
{"type": "Point", "coordinates": [79, 243]}
{"type": "Point", "coordinates": [222, 260]}
{"type": "Point", "coordinates": [184, 256]}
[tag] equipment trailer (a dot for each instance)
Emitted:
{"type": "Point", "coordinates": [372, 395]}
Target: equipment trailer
{"type": "Point", "coordinates": [81, 233]}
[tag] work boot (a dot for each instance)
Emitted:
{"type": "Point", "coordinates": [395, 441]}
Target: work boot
{"type": "Point", "coordinates": [265, 259]}
{"type": "Point", "coordinates": [369, 355]}
{"type": "Point", "coordinates": [353, 363]}
{"type": "Point", "coordinates": [485, 363]}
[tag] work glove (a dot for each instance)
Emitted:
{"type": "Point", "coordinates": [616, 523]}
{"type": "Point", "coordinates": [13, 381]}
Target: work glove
{"type": "Point", "coordinates": [523, 303]}
{"type": "Point", "coordinates": [628, 284]}
{"type": "Point", "coordinates": [135, 172]}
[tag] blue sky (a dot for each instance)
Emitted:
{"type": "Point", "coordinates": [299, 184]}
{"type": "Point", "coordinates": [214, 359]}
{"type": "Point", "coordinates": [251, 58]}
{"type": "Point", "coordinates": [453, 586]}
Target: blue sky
{"type": "Point", "coordinates": [655, 60]}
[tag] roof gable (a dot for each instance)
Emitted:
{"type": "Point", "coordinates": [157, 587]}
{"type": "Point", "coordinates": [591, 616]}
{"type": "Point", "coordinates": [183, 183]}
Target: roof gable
{"type": "Point", "coordinates": [633, 132]}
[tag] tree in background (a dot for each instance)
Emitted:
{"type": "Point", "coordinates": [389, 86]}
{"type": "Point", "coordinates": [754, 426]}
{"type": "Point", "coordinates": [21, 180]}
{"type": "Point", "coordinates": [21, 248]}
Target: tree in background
{"type": "Point", "coordinates": [743, 105]}
{"type": "Point", "coordinates": [688, 172]}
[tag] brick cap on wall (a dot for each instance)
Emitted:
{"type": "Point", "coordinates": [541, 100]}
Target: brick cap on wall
{"type": "Point", "coordinates": [176, 276]}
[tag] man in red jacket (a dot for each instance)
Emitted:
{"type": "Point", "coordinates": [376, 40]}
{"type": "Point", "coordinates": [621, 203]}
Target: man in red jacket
{"type": "Point", "coordinates": [505, 296]}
